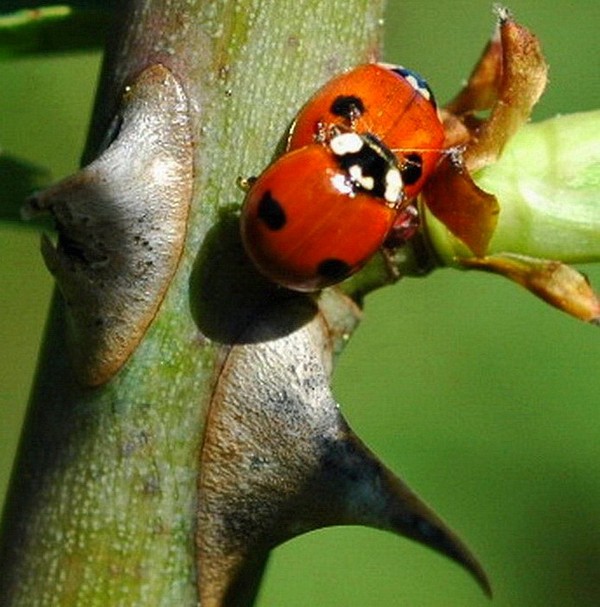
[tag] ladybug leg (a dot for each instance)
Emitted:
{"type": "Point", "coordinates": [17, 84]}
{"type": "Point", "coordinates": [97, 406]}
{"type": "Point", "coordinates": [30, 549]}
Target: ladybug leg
{"type": "Point", "coordinates": [327, 132]}
{"type": "Point", "coordinates": [322, 132]}
{"type": "Point", "coordinates": [405, 226]}
{"type": "Point", "coordinates": [403, 229]}
{"type": "Point", "coordinates": [391, 267]}
{"type": "Point", "coordinates": [245, 183]}
{"type": "Point", "coordinates": [394, 250]}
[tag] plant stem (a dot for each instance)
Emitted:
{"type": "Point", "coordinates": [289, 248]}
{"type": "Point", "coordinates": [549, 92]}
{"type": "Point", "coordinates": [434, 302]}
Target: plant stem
{"type": "Point", "coordinates": [103, 499]}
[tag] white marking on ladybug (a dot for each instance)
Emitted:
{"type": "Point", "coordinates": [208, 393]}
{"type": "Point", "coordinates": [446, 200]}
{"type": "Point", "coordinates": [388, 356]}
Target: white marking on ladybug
{"type": "Point", "coordinates": [343, 185]}
{"type": "Point", "coordinates": [365, 182]}
{"type": "Point", "coordinates": [393, 187]}
{"type": "Point", "coordinates": [423, 91]}
{"type": "Point", "coordinates": [346, 143]}
{"type": "Point", "coordinates": [417, 83]}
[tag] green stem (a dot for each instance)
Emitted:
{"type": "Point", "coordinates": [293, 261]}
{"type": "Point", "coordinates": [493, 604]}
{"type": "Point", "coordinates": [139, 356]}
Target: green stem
{"type": "Point", "coordinates": [547, 184]}
{"type": "Point", "coordinates": [103, 500]}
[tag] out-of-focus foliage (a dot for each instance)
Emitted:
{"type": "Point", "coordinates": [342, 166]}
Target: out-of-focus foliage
{"type": "Point", "coordinates": [57, 28]}
{"type": "Point", "coordinates": [45, 106]}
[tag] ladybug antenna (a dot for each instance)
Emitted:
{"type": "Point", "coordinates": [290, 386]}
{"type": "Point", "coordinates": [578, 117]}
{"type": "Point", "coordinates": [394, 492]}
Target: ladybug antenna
{"type": "Point", "coordinates": [245, 183]}
{"type": "Point", "coordinates": [419, 150]}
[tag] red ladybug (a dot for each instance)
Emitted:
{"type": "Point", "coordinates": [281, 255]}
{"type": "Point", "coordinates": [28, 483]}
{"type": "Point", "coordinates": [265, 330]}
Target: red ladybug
{"type": "Point", "coordinates": [390, 101]}
{"type": "Point", "coordinates": [319, 212]}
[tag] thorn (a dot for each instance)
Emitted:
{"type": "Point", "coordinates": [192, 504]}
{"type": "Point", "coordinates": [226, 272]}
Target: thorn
{"type": "Point", "coordinates": [368, 493]}
{"type": "Point", "coordinates": [279, 460]}
{"type": "Point", "coordinates": [49, 254]}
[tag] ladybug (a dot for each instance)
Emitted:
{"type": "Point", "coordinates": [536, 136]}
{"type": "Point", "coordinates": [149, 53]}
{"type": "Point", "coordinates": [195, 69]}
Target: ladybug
{"type": "Point", "coordinates": [391, 102]}
{"type": "Point", "coordinates": [319, 212]}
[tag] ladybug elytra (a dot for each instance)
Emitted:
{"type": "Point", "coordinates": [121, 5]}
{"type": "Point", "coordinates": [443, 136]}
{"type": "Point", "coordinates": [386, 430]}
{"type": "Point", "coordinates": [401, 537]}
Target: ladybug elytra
{"type": "Point", "coordinates": [358, 153]}
{"type": "Point", "coordinates": [320, 212]}
{"type": "Point", "coordinates": [390, 101]}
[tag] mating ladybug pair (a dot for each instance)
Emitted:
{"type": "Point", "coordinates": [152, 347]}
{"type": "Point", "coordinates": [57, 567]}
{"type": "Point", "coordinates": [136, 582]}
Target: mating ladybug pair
{"type": "Point", "coordinates": [357, 155]}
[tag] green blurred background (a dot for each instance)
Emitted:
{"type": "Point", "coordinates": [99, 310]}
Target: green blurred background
{"type": "Point", "coordinates": [481, 397]}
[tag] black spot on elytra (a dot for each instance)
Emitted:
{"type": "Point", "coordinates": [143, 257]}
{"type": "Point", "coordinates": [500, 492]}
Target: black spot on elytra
{"type": "Point", "coordinates": [333, 269]}
{"type": "Point", "coordinates": [412, 169]}
{"type": "Point", "coordinates": [271, 212]}
{"type": "Point", "coordinates": [347, 106]}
